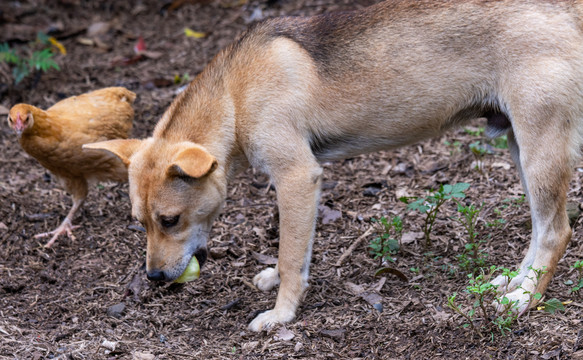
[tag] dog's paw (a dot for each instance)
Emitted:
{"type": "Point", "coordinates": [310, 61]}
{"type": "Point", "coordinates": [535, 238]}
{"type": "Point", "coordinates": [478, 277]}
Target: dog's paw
{"type": "Point", "coordinates": [500, 282]}
{"type": "Point", "coordinates": [266, 279]}
{"type": "Point", "coordinates": [503, 286]}
{"type": "Point", "coordinates": [270, 318]}
{"type": "Point", "coordinates": [520, 301]}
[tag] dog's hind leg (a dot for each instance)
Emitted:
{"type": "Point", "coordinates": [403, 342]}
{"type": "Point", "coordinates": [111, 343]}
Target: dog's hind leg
{"type": "Point", "coordinates": [298, 192]}
{"type": "Point", "coordinates": [544, 150]}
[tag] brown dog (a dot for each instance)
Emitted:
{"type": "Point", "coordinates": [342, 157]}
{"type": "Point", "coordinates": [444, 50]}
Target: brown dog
{"type": "Point", "coordinates": [293, 92]}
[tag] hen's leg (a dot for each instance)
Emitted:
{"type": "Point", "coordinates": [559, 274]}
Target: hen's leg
{"type": "Point", "coordinates": [77, 187]}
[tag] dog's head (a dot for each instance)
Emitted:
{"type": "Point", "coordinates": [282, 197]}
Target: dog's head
{"type": "Point", "coordinates": [176, 194]}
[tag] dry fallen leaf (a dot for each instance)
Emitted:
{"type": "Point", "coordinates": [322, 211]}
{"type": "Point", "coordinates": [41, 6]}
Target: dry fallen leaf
{"type": "Point", "coordinates": [85, 41]}
{"type": "Point", "coordinates": [500, 164]}
{"type": "Point", "coordinates": [370, 296]}
{"type": "Point", "coordinates": [143, 356]}
{"type": "Point", "coordinates": [109, 345]}
{"type": "Point", "coordinates": [260, 232]}
{"type": "Point", "coordinates": [250, 346]}
{"type": "Point", "coordinates": [98, 29]}
{"type": "Point", "coordinates": [336, 334]}
{"type": "Point", "coordinates": [328, 215]}
{"type": "Point", "coordinates": [283, 334]}
{"type": "Point", "coordinates": [264, 259]}
{"type": "Point", "coordinates": [194, 34]}
{"type": "Point", "coordinates": [56, 43]}
{"type": "Point", "coordinates": [411, 237]}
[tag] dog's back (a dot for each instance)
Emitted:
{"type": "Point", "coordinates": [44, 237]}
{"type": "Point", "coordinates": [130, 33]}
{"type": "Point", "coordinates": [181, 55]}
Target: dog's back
{"type": "Point", "coordinates": [433, 63]}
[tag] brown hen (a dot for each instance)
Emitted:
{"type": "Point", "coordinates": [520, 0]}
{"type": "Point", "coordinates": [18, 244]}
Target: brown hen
{"type": "Point", "coordinates": [54, 137]}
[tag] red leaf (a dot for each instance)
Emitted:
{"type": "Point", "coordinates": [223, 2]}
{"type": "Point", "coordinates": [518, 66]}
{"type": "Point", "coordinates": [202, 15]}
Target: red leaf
{"type": "Point", "coordinates": [140, 46]}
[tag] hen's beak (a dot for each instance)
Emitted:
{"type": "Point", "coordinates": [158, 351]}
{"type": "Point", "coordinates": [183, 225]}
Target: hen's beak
{"type": "Point", "coordinates": [18, 125]}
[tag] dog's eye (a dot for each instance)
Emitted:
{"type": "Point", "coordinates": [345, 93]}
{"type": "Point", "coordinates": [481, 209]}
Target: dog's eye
{"type": "Point", "coordinates": [169, 221]}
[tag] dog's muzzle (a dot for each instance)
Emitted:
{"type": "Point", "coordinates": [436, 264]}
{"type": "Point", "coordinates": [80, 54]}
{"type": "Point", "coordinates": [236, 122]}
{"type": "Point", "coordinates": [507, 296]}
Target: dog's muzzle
{"type": "Point", "coordinates": [160, 275]}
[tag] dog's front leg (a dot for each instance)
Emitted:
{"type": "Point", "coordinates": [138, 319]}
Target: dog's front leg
{"type": "Point", "coordinates": [298, 192]}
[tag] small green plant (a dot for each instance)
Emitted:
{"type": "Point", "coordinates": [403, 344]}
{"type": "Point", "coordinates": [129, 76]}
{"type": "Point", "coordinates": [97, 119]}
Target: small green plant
{"type": "Point", "coordinates": [38, 60]}
{"type": "Point", "coordinates": [479, 150]}
{"type": "Point", "coordinates": [501, 142]}
{"type": "Point", "coordinates": [475, 132]}
{"type": "Point", "coordinates": [181, 79]}
{"type": "Point", "coordinates": [498, 222]}
{"type": "Point", "coordinates": [388, 242]}
{"type": "Point", "coordinates": [514, 201]}
{"type": "Point", "coordinates": [478, 317]}
{"type": "Point", "coordinates": [457, 145]}
{"type": "Point", "coordinates": [579, 267]}
{"type": "Point", "coordinates": [553, 305]}
{"type": "Point", "coordinates": [473, 257]}
{"type": "Point", "coordinates": [431, 204]}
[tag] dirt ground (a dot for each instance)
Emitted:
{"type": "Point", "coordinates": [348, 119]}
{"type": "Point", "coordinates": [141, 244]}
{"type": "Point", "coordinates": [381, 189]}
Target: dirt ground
{"type": "Point", "coordinates": [88, 298]}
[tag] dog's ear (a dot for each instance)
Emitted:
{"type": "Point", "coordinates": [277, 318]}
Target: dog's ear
{"type": "Point", "coordinates": [122, 148]}
{"type": "Point", "coordinates": [192, 162]}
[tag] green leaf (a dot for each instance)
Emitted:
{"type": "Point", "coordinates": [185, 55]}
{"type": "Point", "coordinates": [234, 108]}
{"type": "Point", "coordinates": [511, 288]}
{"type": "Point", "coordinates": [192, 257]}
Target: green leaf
{"type": "Point", "coordinates": [405, 199]}
{"type": "Point", "coordinates": [446, 189]}
{"type": "Point", "coordinates": [8, 55]}
{"type": "Point", "coordinates": [19, 73]}
{"type": "Point", "coordinates": [553, 305]}
{"type": "Point", "coordinates": [392, 244]}
{"type": "Point", "coordinates": [42, 37]}
{"type": "Point", "coordinates": [459, 187]}
{"type": "Point", "coordinates": [418, 205]}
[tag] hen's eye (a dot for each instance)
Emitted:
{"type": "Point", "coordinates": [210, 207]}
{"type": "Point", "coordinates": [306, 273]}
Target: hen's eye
{"type": "Point", "coordinates": [169, 221]}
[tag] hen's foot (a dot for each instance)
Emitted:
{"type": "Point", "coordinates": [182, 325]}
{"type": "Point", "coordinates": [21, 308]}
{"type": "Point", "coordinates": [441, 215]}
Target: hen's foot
{"type": "Point", "coordinates": [65, 228]}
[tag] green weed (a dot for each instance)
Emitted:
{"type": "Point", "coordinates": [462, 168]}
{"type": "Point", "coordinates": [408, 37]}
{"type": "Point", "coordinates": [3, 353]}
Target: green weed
{"type": "Point", "coordinates": [39, 60]}
{"type": "Point", "coordinates": [473, 257]}
{"type": "Point", "coordinates": [482, 292]}
{"type": "Point", "coordinates": [431, 204]}
{"type": "Point", "coordinates": [388, 242]}
{"type": "Point", "coordinates": [579, 267]}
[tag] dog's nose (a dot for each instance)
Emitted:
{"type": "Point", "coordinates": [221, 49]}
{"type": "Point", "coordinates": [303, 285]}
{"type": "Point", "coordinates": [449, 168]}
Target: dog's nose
{"type": "Point", "coordinates": [156, 275]}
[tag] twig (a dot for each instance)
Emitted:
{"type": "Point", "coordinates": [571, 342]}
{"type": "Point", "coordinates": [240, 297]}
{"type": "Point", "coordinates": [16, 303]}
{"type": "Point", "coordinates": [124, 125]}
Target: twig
{"type": "Point", "coordinates": [353, 246]}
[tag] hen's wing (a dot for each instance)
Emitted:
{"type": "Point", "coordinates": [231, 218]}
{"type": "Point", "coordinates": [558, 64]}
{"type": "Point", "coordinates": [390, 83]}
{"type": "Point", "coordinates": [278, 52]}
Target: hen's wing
{"type": "Point", "coordinates": [99, 115]}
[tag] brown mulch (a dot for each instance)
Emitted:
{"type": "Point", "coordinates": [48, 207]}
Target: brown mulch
{"type": "Point", "coordinates": [88, 298]}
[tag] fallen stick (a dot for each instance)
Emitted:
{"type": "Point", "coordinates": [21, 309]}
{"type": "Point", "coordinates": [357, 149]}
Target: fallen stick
{"type": "Point", "coordinates": [353, 246]}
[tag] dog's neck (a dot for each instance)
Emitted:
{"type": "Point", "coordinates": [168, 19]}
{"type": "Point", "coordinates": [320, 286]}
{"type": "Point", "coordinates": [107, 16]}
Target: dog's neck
{"type": "Point", "coordinates": [204, 113]}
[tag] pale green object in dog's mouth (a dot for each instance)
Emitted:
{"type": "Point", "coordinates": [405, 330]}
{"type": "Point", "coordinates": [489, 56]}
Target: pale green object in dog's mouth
{"type": "Point", "coordinates": [192, 272]}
